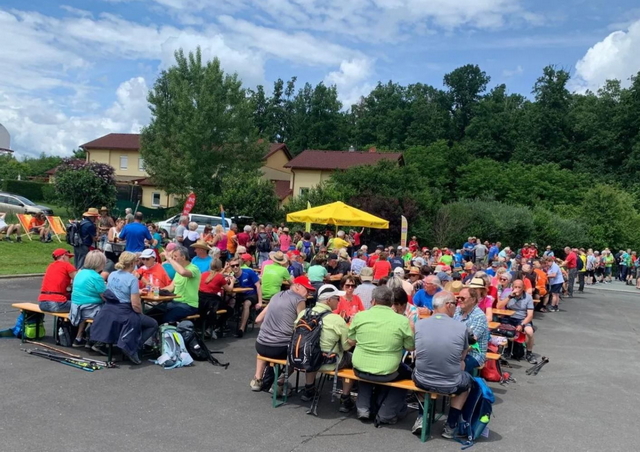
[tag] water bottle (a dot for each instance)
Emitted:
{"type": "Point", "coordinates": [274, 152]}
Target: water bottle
{"type": "Point", "coordinates": [481, 426]}
{"type": "Point", "coordinates": [156, 291]}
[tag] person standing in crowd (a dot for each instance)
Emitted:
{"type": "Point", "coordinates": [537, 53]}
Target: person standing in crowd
{"type": "Point", "coordinates": [232, 240]}
{"type": "Point", "coordinates": [128, 215]}
{"type": "Point", "coordinates": [285, 240]}
{"type": "Point", "coordinates": [480, 252]}
{"type": "Point", "coordinates": [180, 230]}
{"type": "Point", "coordinates": [105, 222]}
{"type": "Point", "coordinates": [88, 235]}
{"type": "Point", "coordinates": [135, 235]}
{"type": "Point", "coordinates": [571, 263]}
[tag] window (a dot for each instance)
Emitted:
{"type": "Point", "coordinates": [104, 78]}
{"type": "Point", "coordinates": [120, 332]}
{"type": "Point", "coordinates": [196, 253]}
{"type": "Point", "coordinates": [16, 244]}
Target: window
{"type": "Point", "coordinates": [13, 201]}
{"type": "Point", "coordinates": [124, 162]}
{"type": "Point", "coordinates": [140, 164]}
{"type": "Point", "coordinates": [155, 199]}
{"type": "Point", "coordinates": [304, 190]}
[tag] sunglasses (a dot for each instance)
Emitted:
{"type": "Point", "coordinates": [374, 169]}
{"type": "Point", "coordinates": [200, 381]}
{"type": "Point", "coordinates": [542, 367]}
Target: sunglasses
{"type": "Point", "coordinates": [349, 285]}
{"type": "Point", "coordinates": [234, 266]}
{"type": "Point", "coordinates": [461, 298]}
{"type": "Point", "coordinates": [503, 279]}
{"type": "Point", "coordinates": [145, 258]}
{"type": "Point", "coordinates": [450, 303]}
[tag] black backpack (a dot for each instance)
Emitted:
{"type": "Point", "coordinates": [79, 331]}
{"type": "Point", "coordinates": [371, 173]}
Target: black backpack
{"type": "Point", "coordinates": [195, 345]}
{"type": "Point", "coordinates": [304, 351]}
{"type": "Point", "coordinates": [73, 234]}
{"type": "Point", "coordinates": [580, 264]}
{"type": "Point", "coordinates": [264, 244]}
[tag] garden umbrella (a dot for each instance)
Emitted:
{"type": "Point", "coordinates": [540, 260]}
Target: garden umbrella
{"type": "Point", "coordinates": [338, 213]}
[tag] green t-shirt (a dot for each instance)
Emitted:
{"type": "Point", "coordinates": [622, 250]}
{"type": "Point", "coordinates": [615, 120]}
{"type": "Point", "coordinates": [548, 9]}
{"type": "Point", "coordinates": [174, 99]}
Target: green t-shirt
{"type": "Point", "coordinates": [316, 273]}
{"type": "Point", "coordinates": [273, 276]}
{"type": "Point", "coordinates": [187, 288]}
{"type": "Point", "coordinates": [407, 257]}
{"type": "Point", "coordinates": [608, 261]}
{"type": "Point", "coordinates": [447, 259]}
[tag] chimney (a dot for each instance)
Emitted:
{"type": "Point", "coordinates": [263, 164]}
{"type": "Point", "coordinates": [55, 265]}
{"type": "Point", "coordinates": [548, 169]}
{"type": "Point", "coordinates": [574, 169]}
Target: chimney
{"type": "Point", "coordinates": [351, 148]}
{"type": "Point", "coordinates": [373, 150]}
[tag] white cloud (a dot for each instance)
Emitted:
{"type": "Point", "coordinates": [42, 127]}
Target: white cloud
{"type": "Point", "coordinates": [352, 80]}
{"type": "Point", "coordinates": [615, 57]}
{"type": "Point", "coordinates": [513, 72]}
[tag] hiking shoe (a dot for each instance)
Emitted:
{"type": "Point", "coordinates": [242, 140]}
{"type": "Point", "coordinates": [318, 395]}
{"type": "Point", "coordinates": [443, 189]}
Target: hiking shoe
{"type": "Point", "coordinates": [134, 358]}
{"type": "Point", "coordinates": [417, 426]}
{"type": "Point", "coordinates": [256, 384]}
{"type": "Point", "coordinates": [239, 334]}
{"type": "Point", "coordinates": [280, 391]}
{"type": "Point", "coordinates": [346, 404]}
{"type": "Point", "coordinates": [210, 334]}
{"type": "Point", "coordinates": [18, 239]}
{"type": "Point", "coordinates": [364, 415]}
{"type": "Point", "coordinates": [79, 343]}
{"type": "Point", "coordinates": [531, 358]}
{"type": "Point", "coordinates": [449, 432]}
{"type": "Point", "coordinates": [100, 348]}
{"type": "Point", "coordinates": [308, 394]}
{"type": "Point", "coordinates": [8, 239]}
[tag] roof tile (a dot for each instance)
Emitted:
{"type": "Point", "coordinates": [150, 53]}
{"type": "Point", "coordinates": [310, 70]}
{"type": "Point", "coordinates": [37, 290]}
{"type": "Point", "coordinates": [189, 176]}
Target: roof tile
{"type": "Point", "coordinates": [333, 160]}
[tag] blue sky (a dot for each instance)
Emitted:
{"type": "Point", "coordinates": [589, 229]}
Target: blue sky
{"type": "Point", "coordinates": [75, 70]}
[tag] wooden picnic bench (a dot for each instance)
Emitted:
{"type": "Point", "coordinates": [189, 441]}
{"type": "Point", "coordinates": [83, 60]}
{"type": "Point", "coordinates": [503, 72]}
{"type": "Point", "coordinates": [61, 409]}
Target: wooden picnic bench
{"type": "Point", "coordinates": [506, 312]}
{"type": "Point", "coordinates": [349, 375]}
{"type": "Point", "coordinates": [35, 308]}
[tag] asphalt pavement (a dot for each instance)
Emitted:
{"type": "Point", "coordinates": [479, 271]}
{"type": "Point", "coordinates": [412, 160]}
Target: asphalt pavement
{"type": "Point", "coordinates": [585, 399]}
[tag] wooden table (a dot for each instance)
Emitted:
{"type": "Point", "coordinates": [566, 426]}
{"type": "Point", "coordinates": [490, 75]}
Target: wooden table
{"type": "Point", "coordinates": [507, 312]}
{"type": "Point", "coordinates": [493, 325]}
{"type": "Point", "coordinates": [152, 301]}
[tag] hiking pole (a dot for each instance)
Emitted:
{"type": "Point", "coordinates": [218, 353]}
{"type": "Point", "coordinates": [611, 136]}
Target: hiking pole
{"type": "Point", "coordinates": [80, 361]}
{"type": "Point", "coordinates": [58, 360]}
{"type": "Point", "coordinates": [107, 364]}
{"type": "Point", "coordinates": [541, 366]}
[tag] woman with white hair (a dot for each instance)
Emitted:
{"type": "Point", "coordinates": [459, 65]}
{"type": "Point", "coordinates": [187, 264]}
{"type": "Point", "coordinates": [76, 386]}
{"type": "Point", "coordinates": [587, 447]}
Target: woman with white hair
{"type": "Point", "coordinates": [339, 242]}
{"type": "Point", "coordinates": [504, 285]}
{"type": "Point", "coordinates": [190, 235]}
{"type": "Point", "coordinates": [86, 297]}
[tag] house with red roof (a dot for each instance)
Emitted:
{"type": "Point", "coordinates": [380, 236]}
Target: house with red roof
{"type": "Point", "coordinates": [311, 167]}
{"type": "Point", "coordinates": [122, 152]}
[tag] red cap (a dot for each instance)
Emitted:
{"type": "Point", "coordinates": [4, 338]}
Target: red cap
{"type": "Point", "coordinates": [304, 281]}
{"type": "Point", "coordinates": [59, 252]}
{"type": "Point", "coordinates": [246, 257]}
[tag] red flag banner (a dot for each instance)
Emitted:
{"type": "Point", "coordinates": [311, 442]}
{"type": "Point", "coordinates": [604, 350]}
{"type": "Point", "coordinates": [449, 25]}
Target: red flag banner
{"type": "Point", "coordinates": [189, 203]}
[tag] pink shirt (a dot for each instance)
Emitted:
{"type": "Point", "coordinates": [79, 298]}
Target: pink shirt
{"type": "Point", "coordinates": [285, 242]}
{"type": "Point", "coordinates": [486, 302]}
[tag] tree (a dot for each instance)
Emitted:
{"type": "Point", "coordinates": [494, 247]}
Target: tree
{"type": "Point", "coordinates": [248, 195]}
{"type": "Point", "coordinates": [201, 128]}
{"type": "Point", "coordinates": [466, 85]}
{"type": "Point", "coordinates": [83, 185]}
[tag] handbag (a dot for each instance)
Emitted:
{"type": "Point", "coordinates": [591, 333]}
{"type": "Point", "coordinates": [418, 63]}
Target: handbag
{"type": "Point", "coordinates": [506, 330]}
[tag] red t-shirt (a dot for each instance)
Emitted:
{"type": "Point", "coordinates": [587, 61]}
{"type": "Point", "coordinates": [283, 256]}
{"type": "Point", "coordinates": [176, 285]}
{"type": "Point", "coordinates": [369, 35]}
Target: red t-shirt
{"type": "Point", "coordinates": [413, 246]}
{"type": "Point", "coordinates": [356, 239]}
{"type": "Point", "coordinates": [493, 292]}
{"type": "Point", "coordinates": [160, 277]}
{"type": "Point", "coordinates": [572, 260]}
{"type": "Point", "coordinates": [56, 281]}
{"type": "Point", "coordinates": [348, 308]}
{"type": "Point", "coordinates": [243, 239]}
{"type": "Point", "coordinates": [216, 284]}
{"type": "Point", "coordinates": [372, 259]}
{"type": "Point", "coordinates": [527, 253]}
{"type": "Point", "coordinates": [381, 269]}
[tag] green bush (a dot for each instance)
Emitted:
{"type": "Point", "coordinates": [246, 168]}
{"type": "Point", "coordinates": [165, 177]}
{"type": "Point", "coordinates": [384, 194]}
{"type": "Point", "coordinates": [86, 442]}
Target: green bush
{"type": "Point", "coordinates": [49, 193]}
{"type": "Point", "coordinates": [30, 190]}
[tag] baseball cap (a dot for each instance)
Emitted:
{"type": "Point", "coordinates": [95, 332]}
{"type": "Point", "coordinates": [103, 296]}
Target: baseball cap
{"type": "Point", "coordinates": [246, 257]}
{"type": "Point", "coordinates": [304, 281]}
{"type": "Point", "coordinates": [170, 246]}
{"type": "Point", "coordinates": [327, 291]}
{"type": "Point", "coordinates": [380, 247]}
{"type": "Point", "coordinates": [147, 254]}
{"type": "Point", "coordinates": [59, 252]}
{"type": "Point", "coordinates": [398, 271]}
{"type": "Point", "coordinates": [366, 274]}
{"type": "Point", "coordinates": [442, 276]}
{"type": "Point", "coordinates": [333, 256]}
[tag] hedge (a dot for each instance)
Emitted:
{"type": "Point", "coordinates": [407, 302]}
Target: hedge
{"type": "Point", "coordinates": [30, 190]}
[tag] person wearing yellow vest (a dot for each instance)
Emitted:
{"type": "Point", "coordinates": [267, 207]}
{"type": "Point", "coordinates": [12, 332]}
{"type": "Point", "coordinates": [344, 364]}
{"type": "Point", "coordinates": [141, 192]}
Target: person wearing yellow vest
{"type": "Point", "coordinates": [582, 269]}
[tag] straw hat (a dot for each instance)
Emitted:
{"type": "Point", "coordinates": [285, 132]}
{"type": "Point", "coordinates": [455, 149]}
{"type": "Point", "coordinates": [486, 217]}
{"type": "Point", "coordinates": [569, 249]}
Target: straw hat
{"type": "Point", "coordinates": [278, 257]}
{"type": "Point", "coordinates": [414, 271]}
{"type": "Point", "coordinates": [201, 244]}
{"type": "Point", "coordinates": [476, 283]}
{"type": "Point", "coordinates": [104, 209]}
{"type": "Point", "coordinates": [468, 266]}
{"type": "Point", "coordinates": [91, 212]}
{"type": "Point", "coordinates": [454, 287]}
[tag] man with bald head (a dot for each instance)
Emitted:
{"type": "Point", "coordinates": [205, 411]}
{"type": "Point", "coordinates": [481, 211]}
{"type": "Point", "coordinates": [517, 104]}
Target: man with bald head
{"type": "Point", "coordinates": [424, 297]}
{"type": "Point", "coordinates": [522, 303]}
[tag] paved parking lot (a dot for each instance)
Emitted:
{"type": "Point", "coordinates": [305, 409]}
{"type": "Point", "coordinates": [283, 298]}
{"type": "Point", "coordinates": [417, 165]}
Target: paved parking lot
{"type": "Point", "coordinates": [585, 399]}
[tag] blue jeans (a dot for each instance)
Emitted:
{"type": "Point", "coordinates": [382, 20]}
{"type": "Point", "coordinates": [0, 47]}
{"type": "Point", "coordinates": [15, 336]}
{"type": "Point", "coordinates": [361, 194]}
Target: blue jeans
{"type": "Point", "coordinates": [177, 311]}
{"type": "Point", "coordinates": [54, 306]}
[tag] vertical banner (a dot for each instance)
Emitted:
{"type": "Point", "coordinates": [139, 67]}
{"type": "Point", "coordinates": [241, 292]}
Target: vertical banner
{"type": "Point", "coordinates": [222, 220]}
{"type": "Point", "coordinates": [189, 203]}
{"type": "Point", "coordinates": [307, 227]}
{"type": "Point", "coordinates": [403, 232]}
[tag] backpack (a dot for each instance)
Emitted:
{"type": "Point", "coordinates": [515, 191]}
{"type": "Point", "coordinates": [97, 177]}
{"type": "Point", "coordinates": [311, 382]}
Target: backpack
{"type": "Point", "coordinates": [304, 351]}
{"type": "Point", "coordinates": [492, 370]}
{"type": "Point", "coordinates": [195, 345]}
{"type": "Point", "coordinates": [66, 332]}
{"type": "Point", "coordinates": [263, 244]}
{"type": "Point", "coordinates": [306, 249]}
{"type": "Point", "coordinates": [33, 326]}
{"type": "Point", "coordinates": [73, 234]}
{"type": "Point", "coordinates": [476, 413]}
{"type": "Point", "coordinates": [580, 264]}
{"type": "Point", "coordinates": [173, 350]}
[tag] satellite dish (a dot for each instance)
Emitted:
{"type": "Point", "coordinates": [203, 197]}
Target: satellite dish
{"type": "Point", "coordinates": [5, 138]}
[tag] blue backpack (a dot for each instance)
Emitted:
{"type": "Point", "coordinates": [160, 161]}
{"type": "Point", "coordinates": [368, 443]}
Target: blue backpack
{"type": "Point", "coordinates": [476, 413]}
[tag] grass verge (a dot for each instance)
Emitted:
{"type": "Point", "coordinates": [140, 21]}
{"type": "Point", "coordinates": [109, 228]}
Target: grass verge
{"type": "Point", "coordinates": [27, 257]}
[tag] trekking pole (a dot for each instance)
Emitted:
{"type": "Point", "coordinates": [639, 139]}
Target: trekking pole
{"type": "Point", "coordinates": [40, 344]}
{"type": "Point", "coordinates": [535, 369]}
{"type": "Point", "coordinates": [541, 366]}
{"type": "Point", "coordinates": [58, 360]}
{"type": "Point", "coordinates": [80, 361]}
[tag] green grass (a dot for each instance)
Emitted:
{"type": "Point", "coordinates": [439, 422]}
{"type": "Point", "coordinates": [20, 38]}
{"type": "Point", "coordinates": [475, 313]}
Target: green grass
{"type": "Point", "coordinates": [27, 257]}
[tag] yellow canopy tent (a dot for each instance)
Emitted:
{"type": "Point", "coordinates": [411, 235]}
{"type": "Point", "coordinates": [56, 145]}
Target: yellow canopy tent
{"type": "Point", "coordinates": [338, 213]}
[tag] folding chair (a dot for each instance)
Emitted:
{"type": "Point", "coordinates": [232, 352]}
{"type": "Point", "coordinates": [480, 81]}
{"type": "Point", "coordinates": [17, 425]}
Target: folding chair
{"type": "Point", "coordinates": [25, 220]}
{"type": "Point", "coordinates": [57, 226]}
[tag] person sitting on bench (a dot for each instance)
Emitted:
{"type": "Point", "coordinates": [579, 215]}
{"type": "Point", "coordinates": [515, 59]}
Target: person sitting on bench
{"type": "Point", "coordinates": [87, 296]}
{"type": "Point", "coordinates": [54, 294]}
{"type": "Point", "coordinates": [522, 303]}
{"type": "Point", "coordinates": [276, 330]}
{"type": "Point", "coordinates": [381, 335]}
{"type": "Point", "coordinates": [442, 344]}
{"type": "Point", "coordinates": [334, 339]}
{"type": "Point", "coordinates": [472, 316]}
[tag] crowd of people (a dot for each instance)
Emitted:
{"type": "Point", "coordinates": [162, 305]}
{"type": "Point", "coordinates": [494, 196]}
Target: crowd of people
{"type": "Point", "coordinates": [432, 303]}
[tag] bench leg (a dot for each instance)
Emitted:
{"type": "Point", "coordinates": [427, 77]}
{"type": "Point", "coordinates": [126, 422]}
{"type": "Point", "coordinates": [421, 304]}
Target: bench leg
{"type": "Point", "coordinates": [274, 400]}
{"type": "Point", "coordinates": [23, 327]}
{"type": "Point", "coordinates": [426, 419]}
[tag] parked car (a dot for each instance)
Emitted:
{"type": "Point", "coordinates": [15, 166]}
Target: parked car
{"type": "Point", "coordinates": [19, 204]}
{"type": "Point", "coordinates": [169, 226]}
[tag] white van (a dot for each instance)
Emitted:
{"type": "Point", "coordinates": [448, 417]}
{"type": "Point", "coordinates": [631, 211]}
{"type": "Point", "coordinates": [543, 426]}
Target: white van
{"type": "Point", "coordinates": [169, 226]}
